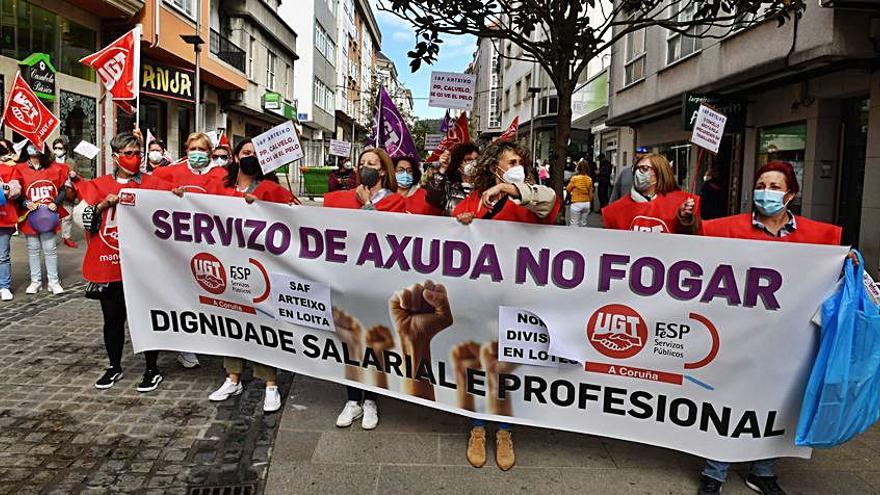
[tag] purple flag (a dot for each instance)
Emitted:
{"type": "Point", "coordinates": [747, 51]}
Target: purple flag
{"type": "Point", "coordinates": [444, 124]}
{"type": "Point", "coordinates": [390, 131]}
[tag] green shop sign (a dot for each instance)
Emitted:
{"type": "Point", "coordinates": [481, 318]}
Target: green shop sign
{"type": "Point", "coordinates": [38, 71]}
{"type": "Point", "coordinates": [274, 103]}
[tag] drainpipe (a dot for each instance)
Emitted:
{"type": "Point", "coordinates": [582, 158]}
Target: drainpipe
{"type": "Point", "coordinates": [156, 14]}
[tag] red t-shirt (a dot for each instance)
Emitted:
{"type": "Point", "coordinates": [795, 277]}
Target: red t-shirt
{"type": "Point", "coordinates": [348, 199]}
{"type": "Point", "coordinates": [41, 186]}
{"type": "Point", "coordinates": [510, 211]}
{"type": "Point", "coordinates": [101, 262]}
{"type": "Point", "coordinates": [416, 203]}
{"type": "Point", "coordinates": [659, 215]}
{"type": "Point", "coordinates": [266, 190]}
{"type": "Point", "coordinates": [9, 211]}
{"type": "Point", "coordinates": [740, 227]}
{"type": "Point", "coordinates": [210, 182]}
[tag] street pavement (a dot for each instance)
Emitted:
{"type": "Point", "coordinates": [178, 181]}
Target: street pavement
{"type": "Point", "coordinates": [58, 434]}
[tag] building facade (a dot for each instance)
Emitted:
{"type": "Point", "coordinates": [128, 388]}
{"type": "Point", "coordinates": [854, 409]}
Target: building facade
{"type": "Point", "coordinates": [387, 77]}
{"type": "Point", "coordinates": [486, 114]}
{"type": "Point", "coordinates": [805, 94]}
{"type": "Point", "coordinates": [315, 83]}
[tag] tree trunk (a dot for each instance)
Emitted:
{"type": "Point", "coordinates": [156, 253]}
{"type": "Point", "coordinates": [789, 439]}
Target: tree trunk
{"type": "Point", "coordinates": [563, 132]}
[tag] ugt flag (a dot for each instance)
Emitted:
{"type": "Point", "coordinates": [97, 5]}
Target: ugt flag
{"type": "Point", "coordinates": [26, 114]}
{"type": "Point", "coordinates": [456, 134]}
{"type": "Point", "coordinates": [512, 131]}
{"type": "Point", "coordinates": [390, 131]}
{"type": "Point", "coordinates": [118, 66]}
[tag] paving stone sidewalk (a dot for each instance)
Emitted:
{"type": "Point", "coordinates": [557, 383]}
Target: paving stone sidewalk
{"type": "Point", "coordinates": [58, 434]}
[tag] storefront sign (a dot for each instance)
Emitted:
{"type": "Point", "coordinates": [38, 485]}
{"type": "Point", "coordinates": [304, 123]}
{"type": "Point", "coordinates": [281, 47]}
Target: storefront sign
{"type": "Point", "coordinates": [168, 82]}
{"type": "Point", "coordinates": [274, 103]}
{"type": "Point", "coordinates": [340, 148]}
{"type": "Point", "coordinates": [734, 109]}
{"type": "Point", "coordinates": [38, 71]}
{"type": "Point", "coordinates": [452, 90]}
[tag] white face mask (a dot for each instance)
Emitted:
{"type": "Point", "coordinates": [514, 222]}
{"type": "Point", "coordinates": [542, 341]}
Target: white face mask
{"type": "Point", "coordinates": [469, 167]}
{"type": "Point", "coordinates": [219, 162]}
{"type": "Point", "coordinates": [515, 174]}
{"type": "Point", "coordinates": [155, 156]}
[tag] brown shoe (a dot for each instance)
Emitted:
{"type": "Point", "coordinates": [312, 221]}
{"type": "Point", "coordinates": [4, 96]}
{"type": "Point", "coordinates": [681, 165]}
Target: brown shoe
{"type": "Point", "coordinates": [476, 450]}
{"type": "Point", "coordinates": [504, 456]}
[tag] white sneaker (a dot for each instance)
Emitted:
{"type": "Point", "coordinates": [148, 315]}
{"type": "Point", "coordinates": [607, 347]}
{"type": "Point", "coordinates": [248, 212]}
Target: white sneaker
{"type": "Point", "coordinates": [188, 360]}
{"type": "Point", "coordinates": [5, 295]}
{"type": "Point", "coordinates": [227, 390]}
{"type": "Point", "coordinates": [351, 412]}
{"type": "Point", "coordinates": [34, 287]}
{"type": "Point", "coordinates": [371, 415]}
{"type": "Point", "coordinates": [272, 402]}
{"type": "Point", "coordinates": [56, 288]}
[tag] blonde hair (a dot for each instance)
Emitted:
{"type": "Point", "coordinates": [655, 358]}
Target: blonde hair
{"type": "Point", "coordinates": [202, 137]}
{"type": "Point", "coordinates": [665, 176]}
{"type": "Point", "coordinates": [390, 180]}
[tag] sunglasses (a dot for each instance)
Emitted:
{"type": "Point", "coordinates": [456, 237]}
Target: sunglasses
{"type": "Point", "coordinates": [130, 153]}
{"type": "Point", "coordinates": [220, 157]}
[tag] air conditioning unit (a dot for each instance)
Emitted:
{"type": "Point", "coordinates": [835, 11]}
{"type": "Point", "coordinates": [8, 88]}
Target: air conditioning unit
{"type": "Point", "coordinates": [873, 5]}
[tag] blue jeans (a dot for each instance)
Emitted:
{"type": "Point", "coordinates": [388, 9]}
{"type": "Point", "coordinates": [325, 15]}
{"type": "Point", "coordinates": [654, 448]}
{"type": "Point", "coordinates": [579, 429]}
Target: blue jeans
{"type": "Point", "coordinates": [718, 470]}
{"type": "Point", "coordinates": [5, 263]}
{"type": "Point", "coordinates": [49, 244]}
{"type": "Point", "coordinates": [479, 423]}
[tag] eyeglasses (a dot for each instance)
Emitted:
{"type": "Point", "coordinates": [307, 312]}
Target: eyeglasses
{"type": "Point", "coordinates": [644, 168]}
{"type": "Point", "coordinates": [130, 153]}
{"type": "Point", "coordinates": [59, 149]}
{"type": "Point", "coordinates": [220, 157]}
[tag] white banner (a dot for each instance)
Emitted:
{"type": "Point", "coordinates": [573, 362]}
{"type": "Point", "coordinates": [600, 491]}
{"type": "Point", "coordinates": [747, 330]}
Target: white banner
{"type": "Point", "coordinates": [432, 141]}
{"type": "Point", "coordinates": [340, 148]}
{"type": "Point", "coordinates": [696, 344]}
{"type": "Point", "coordinates": [452, 90]}
{"type": "Point", "coordinates": [277, 147]}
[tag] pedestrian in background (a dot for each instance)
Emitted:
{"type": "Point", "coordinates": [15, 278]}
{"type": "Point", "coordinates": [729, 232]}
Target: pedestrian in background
{"type": "Point", "coordinates": [43, 186]}
{"type": "Point", "coordinates": [10, 190]}
{"type": "Point", "coordinates": [580, 187]}
{"type": "Point", "coordinates": [59, 148]}
{"type": "Point", "coordinates": [603, 182]}
{"type": "Point", "coordinates": [713, 198]}
{"type": "Point", "coordinates": [101, 265]}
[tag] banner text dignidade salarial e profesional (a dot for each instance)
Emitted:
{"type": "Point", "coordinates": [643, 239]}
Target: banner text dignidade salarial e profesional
{"type": "Point", "coordinates": [723, 421]}
{"type": "Point", "coordinates": [567, 269]}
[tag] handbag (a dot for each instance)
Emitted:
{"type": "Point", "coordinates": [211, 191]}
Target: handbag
{"type": "Point", "coordinates": [97, 291]}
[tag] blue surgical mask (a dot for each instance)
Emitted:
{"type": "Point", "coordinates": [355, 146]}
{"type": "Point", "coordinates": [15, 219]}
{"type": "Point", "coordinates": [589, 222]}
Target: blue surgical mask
{"type": "Point", "coordinates": [197, 159]}
{"type": "Point", "coordinates": [404, 179]}
{"type": "Point", "coordinates": [769, 202]}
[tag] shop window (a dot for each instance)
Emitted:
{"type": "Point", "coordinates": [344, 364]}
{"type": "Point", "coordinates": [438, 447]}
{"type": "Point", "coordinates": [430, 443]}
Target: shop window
{"type": "Point", "coordinates": [787, 143]}
{"type": "Point", "coordinates": [77, 42]}
{"type": "Point", "coordinates": [78, 123]}
{"type": "Point", "coordinates": [7, 28]}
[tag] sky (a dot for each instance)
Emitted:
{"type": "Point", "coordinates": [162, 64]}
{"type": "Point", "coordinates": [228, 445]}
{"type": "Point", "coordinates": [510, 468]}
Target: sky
{"type": "Point", "coordinates": [398, 37]}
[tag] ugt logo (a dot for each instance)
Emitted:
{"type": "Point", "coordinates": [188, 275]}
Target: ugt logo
{"type": "Point", "coordinates": [25, 110]}
{"type": "Point", "coordinates": [209, 272]}
{"type": "Point", "coordinates": [113, 68]}
{"type": "Point", "coordinates": [617, 331]}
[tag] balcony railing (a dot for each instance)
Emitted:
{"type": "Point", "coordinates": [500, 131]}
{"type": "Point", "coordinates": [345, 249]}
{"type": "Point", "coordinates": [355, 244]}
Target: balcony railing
{"type": "Point", "coordinates": [227, 51]}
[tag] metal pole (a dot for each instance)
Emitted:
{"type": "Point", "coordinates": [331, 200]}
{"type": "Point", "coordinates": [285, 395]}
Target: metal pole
{"type": "Point", "coordinates": [532, 130]}
{"type": "Point", "coordinates": [198, 49]}
{"type": "Point", "coordinates": [352, 140]}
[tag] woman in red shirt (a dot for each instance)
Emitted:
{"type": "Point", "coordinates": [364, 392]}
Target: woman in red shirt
{"type": "Point", "coordinates": [775, 188]}
{"type": "Point", "coordinates": [246, 180]}
{"type": "Point", "coordinates": [408, 173]}
{"type": "Point", "coordinates": [199, 172]}
{"type": "Point", "coordinates": [375, 192]}
{"type": "Point", "coordinates": [655, 203]}
{"type": "Point", "coordinates": [42, 186]}
{"type": "Point", "coordinates": [10, 190]}
{"type": "Point", "coordinates": [503, 190]}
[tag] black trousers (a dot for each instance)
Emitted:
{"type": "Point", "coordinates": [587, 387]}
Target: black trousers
{"type": "Point", "coordinates": [113, 308]}
{"type": "Point", "coordinates": [358, 394]}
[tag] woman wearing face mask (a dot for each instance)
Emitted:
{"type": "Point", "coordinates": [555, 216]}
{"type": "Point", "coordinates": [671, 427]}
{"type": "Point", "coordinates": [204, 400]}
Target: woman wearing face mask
{"type": "Point", "coordinates": [43, 186]}
{"type": "Point", "coordinates": [101, 263]}
{"type": "Point", "coordinates": [501, 192]}
{"type": "Point", "coordinates": [59, 147]}
{"type": "Point", "coordinates": [10, 190]}
{"type": "Point", "coordinates": [375, 192]}
{"type": "Point", "coordinates": [156, 156]}
{"type": "Point", "coordinates": [655, 203]}
{"type": "Point", "coordinates": [451, 183]}
{"type": "Point", "coordinates": [201, 172]}
{"type": "Point", "coordinates": [343, 178]}
{"type": "Point", "coordinates": [775, 188]}
{"type": "Point", "coordinates": [246, 179]}
{"type": "Point", "coordinates": [409, 174]}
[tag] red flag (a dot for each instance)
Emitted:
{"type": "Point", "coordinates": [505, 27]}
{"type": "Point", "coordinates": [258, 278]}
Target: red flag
{"type": "Point", "coordinates": [26, 114]}
{"type": "Point", "coordinates": [223, 140]}
{"type": "Point", "coordinates": [512, 132]}
{"type": "Point", "coordinates": [457, 134]}
{"type": "Point", "coordinates": [118, 66]}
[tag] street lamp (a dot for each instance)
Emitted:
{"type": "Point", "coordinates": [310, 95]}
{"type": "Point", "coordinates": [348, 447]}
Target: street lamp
{"type": "Point", "coordinates": [196, 41]}
{"type": "Point", "coordinates": [533, 91]}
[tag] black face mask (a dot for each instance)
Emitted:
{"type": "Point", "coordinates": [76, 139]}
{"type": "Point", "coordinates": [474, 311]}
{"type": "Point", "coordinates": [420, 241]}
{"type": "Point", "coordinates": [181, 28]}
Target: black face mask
{"type": "Point", "coordinates": [249, 165]}
{"type": "Point", "coordinates": [368, 176]}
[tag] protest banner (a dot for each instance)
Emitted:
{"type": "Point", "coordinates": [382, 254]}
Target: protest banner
{"type": "Point", "coordinates": [340, 148]}
{"type": "Point", "coordinates": [708, 129]}
{"type": "Point", "coordinates": [432, 141]}
{"type": "Point", "coordinates": [452, 90]}
{"type": "Point", "coordinates": [697, 344]}
{"type": "Point", "coordinates": [277, 147]}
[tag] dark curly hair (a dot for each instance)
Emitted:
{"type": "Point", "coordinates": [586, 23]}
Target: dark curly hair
{"type": "Point", "coordinates": [416, 167]}
{"type": "Point", "coordinates": [485, 174]}
{"type": "Point", "coordinates": [456, 159]}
